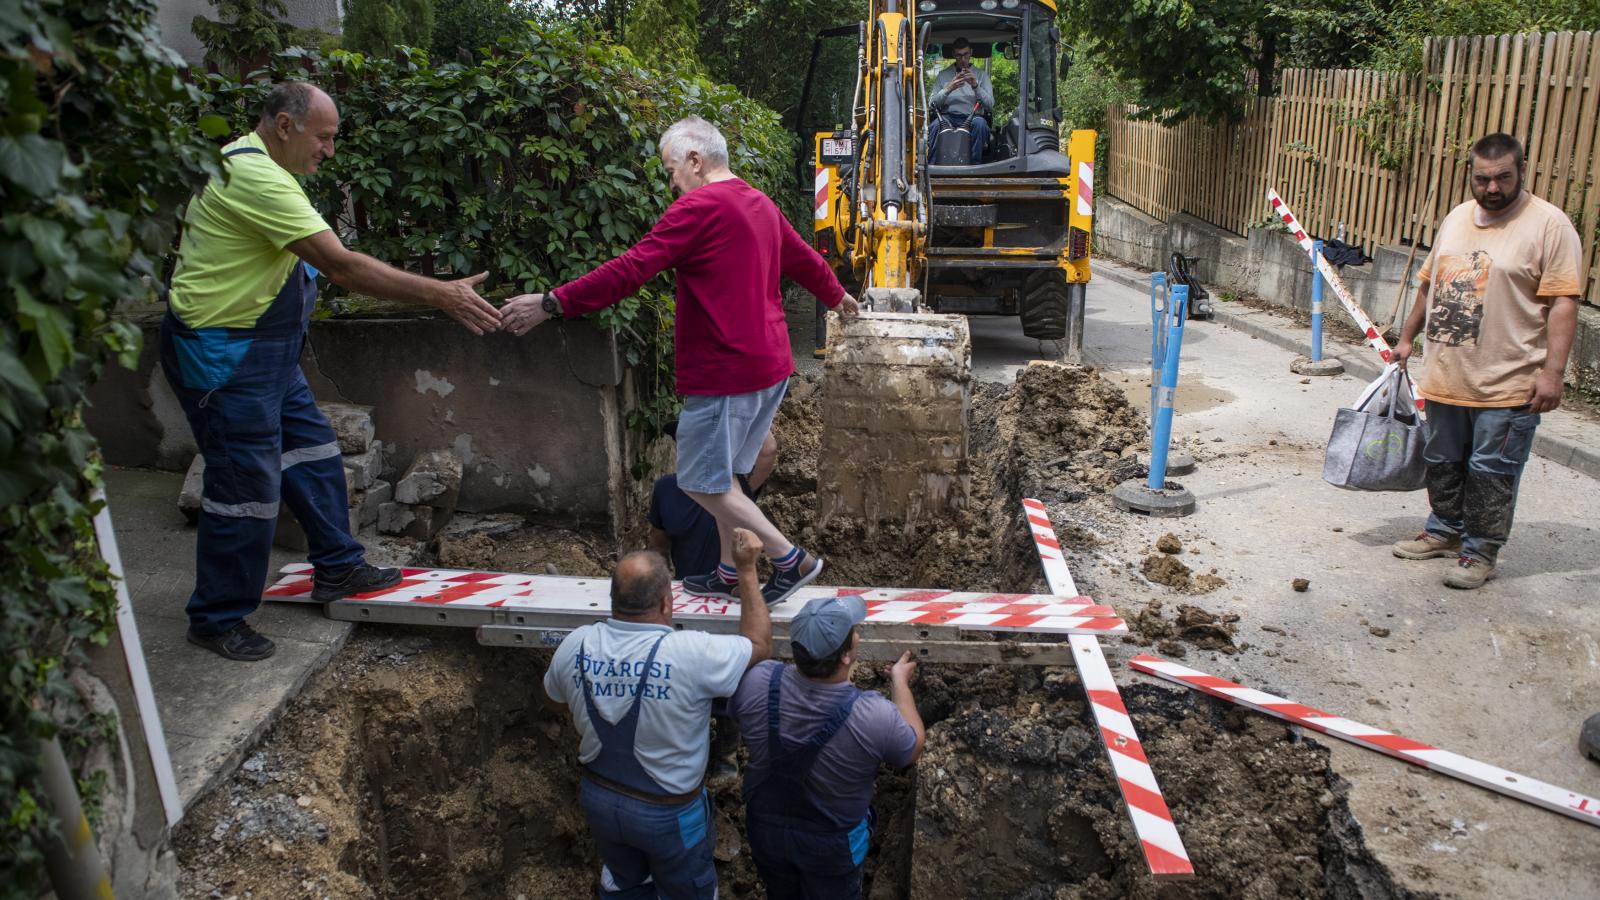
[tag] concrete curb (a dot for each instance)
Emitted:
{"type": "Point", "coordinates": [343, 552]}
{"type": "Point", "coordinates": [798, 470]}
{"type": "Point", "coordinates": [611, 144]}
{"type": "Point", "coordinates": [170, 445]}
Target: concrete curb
{"type": "Point", "coordinates": [1358, 363]}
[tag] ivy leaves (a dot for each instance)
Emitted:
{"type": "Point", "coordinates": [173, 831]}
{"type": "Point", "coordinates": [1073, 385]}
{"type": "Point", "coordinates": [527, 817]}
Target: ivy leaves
{"type": "Point", "coordinates": [98, 147]}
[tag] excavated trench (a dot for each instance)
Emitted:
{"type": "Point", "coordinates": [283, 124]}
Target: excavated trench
{"type": "Point", "coordinates": [420, 765]}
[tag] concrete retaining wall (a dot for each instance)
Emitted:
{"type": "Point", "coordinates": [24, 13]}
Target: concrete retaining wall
{"type": "Point", "coordinates": [537, 419]}
{"type": "Point", "coordinates": [1269, 264]}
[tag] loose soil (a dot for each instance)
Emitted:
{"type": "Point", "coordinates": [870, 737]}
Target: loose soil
{"type": "Point", "coordinates": [421, 765]}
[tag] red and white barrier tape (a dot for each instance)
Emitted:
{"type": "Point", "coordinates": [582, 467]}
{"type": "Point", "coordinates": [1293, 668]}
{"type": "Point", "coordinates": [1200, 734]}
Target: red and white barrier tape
{"type": "Point", "coordinates": [1561, 800]}
{"type": "Point", "coordinates": [1331, 275]}
{"type": "Point", "coordinates": [1147, 809]}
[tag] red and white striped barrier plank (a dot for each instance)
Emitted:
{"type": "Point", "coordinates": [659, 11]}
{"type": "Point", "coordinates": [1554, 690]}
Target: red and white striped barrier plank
{"type": "Point", "coordinates": [1531, 790]}
{"type": "Point", "coordinates": [1163, 848]}
{"type": "Point", "coordinates": [971, 610]}
{"type": "Point", "coordinates": [1331, 275]}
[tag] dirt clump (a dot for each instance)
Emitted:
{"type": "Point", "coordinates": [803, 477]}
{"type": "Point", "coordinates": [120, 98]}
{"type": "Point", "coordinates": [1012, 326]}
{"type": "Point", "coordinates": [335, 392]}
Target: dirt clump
{"type": "Point", "coordinates": [1015, 799]}
{"type": "Point", "coordinates": [1301, 584]}
{"type": "Point", "coordinates": [1169, 543]}
{"type": "Point", "coordinates": [474, 551]}
{"type": "Point", "coordinates": [1166, 570]}
{"type": "Point", "coordinates": [1201, 628]}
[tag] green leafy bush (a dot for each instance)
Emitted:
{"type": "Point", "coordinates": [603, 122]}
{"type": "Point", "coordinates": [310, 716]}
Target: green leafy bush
{"type": "Point", "coordinates": [98, 146]}
{"type": "Point", "coordinates": [535, 163]}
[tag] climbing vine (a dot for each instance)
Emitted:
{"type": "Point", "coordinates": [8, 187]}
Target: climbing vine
{"type": "Point", "coordinates": [99, 144]}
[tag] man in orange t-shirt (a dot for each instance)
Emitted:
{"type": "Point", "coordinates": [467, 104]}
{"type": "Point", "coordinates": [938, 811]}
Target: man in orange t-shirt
{"type": "Point", "coordinates": [1499, 296]}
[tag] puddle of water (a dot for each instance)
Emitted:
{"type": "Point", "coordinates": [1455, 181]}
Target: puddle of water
{"type": "Point", "coordinates": [1194, 394]}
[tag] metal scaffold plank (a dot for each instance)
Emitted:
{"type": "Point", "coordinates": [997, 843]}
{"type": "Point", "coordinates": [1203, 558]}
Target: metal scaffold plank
{"type": "Point", "coordinates": [1163, 848]}
{"type": "Point", "coordinates": [500, 604]}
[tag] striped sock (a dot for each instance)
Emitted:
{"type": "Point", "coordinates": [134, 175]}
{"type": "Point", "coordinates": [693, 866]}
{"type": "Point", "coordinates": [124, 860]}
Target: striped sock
{"type": "Point", "coordinates": [789, 560]}
{"type": "Point", "coordinates": [727, 573]}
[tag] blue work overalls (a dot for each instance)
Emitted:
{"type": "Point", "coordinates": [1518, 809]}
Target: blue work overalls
{"type": "Point", "coordinates": [263, 438]}
{"type": "Point", "coordinates": [801, 850]}
{"type": "Point", "coordinates": [653, 844]}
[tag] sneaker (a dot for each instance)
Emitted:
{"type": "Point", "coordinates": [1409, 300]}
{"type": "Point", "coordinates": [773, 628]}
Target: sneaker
{"type": "Point", "coordinates": [1427, 546]}
{"type": "Point", "coordinates": [361, 579]}
{"type": "Point", "coordinates": [240, 642]}
{"type": "Point", "coordinates": [782, 583]}
{"type": "Point", "coordinates": [1469, 574]}
{"type": "Point", "coordinates": [711, 585]}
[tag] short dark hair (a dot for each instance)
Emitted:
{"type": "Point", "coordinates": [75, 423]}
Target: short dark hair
{"type": "Point", "coordinates": [960, 43]}
{"type": "Point", "coordinates": [292, 97]}
{"type": "Point", "coordinates": [640, 592]}
{"type": "Point", "coordinates": [1498, 146]}
{"type": "Point", "coordinates": [813, 667]}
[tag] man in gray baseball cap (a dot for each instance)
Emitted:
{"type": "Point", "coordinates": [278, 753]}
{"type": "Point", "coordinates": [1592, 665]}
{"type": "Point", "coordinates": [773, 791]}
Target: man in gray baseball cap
{"type": "Point", "coordinates": [808, 787]}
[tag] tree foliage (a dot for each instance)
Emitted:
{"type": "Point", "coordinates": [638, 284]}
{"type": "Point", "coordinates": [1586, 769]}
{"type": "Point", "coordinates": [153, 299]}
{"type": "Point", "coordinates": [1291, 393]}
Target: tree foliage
{"type": "Point", "coordinates": [379, 26]}
{"type": "Point", "coordinates": [1184, 58]}
{"type": "Point", "coordinates": [665, 33]}
{"type": "Point", "coordinates": [470, 26]}
{"type": "Point", "coordinates": [99, 145]}
{"type": "Point", "coordinates": [244, 33]}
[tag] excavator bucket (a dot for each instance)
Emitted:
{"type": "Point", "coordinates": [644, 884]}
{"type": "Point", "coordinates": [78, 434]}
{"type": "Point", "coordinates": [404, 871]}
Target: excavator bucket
{"type": "Point", "coordinates": [896, 391]}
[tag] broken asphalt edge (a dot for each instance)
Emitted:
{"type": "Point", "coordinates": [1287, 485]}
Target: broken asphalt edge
{"type": "Point", "coordinates": [1556, 448]}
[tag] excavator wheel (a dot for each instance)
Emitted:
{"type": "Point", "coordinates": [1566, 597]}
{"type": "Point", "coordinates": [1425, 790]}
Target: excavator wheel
{"type": "Point", "coordinates": [1044, 305]}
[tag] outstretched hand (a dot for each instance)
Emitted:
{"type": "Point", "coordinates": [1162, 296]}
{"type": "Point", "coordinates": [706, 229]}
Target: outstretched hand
{"type": "Point", "coordinates": [460, 301]}
{"type": "Point", "coordinates": [523, 313]}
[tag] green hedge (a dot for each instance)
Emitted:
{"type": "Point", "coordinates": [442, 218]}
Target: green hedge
{"type": "Point", "coordinates": [536, 163]}
{"type": "Point", "coordinates": [98, 147]}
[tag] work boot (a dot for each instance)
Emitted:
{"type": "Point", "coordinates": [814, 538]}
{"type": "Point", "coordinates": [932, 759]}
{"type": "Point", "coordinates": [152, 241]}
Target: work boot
{"type": "Point", "coordinates": [711, 586]}
{"type": "Point", "coordinates": [1469, 574]}
{"type": "Point", "coordinates": [1428, 546]}
{"type": "Point", "coordinates": [359, 579]}
{"type": "Point", "coordinates": [241, 642]}
{"type": "Point", "coordinates": [786, 582]}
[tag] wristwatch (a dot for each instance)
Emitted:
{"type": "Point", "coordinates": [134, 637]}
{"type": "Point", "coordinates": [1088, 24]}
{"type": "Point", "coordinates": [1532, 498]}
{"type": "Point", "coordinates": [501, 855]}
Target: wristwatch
{"type": "Point", "coordinates": [551, 305]}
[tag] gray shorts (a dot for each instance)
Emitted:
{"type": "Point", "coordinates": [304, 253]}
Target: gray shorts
{"type": "Point", "coordinates": [721, 435]}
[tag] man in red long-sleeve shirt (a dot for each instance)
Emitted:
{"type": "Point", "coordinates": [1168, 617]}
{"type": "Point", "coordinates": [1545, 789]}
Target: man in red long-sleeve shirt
{"type": "Point", "coordinates": [729, 246]}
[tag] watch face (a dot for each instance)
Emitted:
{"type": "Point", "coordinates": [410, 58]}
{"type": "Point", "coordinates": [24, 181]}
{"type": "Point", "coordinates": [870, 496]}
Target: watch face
{"type": "Point", "coordinates": [549, 304]}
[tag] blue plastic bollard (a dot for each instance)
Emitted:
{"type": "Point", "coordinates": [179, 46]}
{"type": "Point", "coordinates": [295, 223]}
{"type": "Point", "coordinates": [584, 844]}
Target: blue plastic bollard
{"type": "Point", "coordinates": [1316, 302]}
{"type": "Point", "coordinates": [1158, 338]}
{"type": "Point", "coordinates": [1162, 418]}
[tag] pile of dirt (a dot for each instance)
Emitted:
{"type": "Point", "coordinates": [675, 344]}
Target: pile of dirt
{"type": "Point", "coordinates": [1015, 799]}
{"type": "Point", "coordinates": [1058, 433]}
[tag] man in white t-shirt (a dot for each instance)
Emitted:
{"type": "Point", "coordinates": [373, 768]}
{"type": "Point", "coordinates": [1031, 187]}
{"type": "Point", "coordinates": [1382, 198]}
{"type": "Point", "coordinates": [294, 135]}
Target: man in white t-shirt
{"type": "Point", "coordinates": [640, 695]}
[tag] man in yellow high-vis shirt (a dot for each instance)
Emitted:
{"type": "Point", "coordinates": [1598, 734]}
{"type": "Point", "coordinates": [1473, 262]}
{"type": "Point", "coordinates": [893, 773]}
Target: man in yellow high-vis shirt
{"type": "Point", "coordinates": [238, 313]}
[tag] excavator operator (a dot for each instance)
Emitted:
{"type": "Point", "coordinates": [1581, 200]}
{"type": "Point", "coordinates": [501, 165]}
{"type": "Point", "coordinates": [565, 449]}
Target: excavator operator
{"type": "Point", "coordinates": [961, 94]}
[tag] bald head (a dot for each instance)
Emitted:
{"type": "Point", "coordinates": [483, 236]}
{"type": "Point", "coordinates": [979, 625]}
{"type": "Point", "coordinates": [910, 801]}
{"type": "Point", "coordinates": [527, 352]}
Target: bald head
{"type": "Point", "coordinates": [298, 123]}
{"type": "Point", "coordinates": [641, 585]}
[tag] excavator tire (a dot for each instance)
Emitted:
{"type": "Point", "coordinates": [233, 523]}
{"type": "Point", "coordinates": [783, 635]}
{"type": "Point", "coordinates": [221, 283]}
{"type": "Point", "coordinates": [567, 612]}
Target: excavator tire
{"type": "Point", "coordinates": [1044, 305]}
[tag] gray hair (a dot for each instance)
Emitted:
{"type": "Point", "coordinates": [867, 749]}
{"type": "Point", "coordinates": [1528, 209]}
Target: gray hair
{"type": "Point", "coordinates": [695, 133]}
{"type": "Point", "coordinates": [292, 97]}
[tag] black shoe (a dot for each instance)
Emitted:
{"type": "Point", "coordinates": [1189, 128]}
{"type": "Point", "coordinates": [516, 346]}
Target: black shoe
{"type": "Point", "coordinates": [359, 579]}
{"type": "Point", "coordinates": [240, 642]}
{"type": "Point", "coordinates": [784, 583]}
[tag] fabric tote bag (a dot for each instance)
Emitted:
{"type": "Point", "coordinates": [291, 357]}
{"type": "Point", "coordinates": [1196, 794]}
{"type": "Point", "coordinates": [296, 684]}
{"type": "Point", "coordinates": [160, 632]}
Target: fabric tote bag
{"type": "Point", "coordinates": [1376, 445]}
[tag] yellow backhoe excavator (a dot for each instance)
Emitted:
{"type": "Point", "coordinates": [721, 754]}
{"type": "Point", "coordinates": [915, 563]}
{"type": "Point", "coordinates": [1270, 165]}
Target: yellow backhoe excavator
{"type": "Point", "coordinates": [932, 211]}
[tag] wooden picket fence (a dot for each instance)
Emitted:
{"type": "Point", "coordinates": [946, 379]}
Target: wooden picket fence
{"type": "Point", "coordinates": [1382, 153]}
